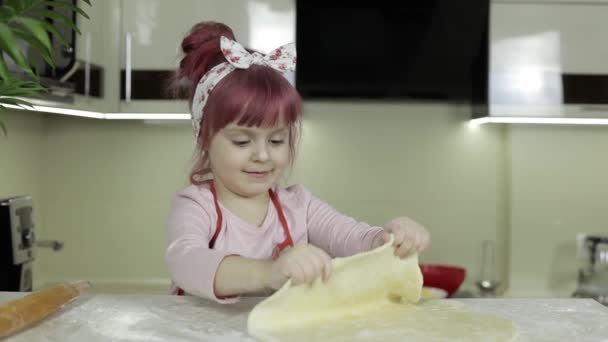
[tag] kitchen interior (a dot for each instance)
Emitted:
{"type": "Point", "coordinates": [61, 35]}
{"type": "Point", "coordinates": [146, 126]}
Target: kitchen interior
{"type": "Point", "coordinates": [511, 184]}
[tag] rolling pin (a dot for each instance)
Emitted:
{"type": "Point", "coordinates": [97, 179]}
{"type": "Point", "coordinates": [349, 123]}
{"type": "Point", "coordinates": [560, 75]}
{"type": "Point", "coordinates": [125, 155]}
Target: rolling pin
{"type": "Point", "coordinates": [23, 312]}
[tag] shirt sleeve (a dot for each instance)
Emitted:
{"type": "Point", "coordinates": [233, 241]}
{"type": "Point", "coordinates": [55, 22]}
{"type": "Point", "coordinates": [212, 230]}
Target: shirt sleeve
{"type": "Point", "coordinates": [338, 234]}
{"type": "Point", "coordinates": [192, 264]}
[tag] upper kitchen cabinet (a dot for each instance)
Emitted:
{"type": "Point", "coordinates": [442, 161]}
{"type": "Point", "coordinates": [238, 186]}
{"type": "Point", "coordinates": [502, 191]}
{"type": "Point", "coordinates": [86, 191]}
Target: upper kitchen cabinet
{"type": "Point", "coordinates": [82, 77]}
{"type": "Point", "coordinates": [96, 57]}
{"type": "Point", "coordinates": [550, 58]}
{"type": "Point", "coordinates": [152, 31]}
{"type": "Point", "coordinates": [570, 38]}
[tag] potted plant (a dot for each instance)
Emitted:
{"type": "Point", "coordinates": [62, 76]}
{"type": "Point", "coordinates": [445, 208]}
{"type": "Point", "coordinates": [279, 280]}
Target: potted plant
{"type": "Point", "coordinates": [25, 21]}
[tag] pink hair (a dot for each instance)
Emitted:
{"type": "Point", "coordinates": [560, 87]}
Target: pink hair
{"type": "Point", "coordinates": [258, 96]}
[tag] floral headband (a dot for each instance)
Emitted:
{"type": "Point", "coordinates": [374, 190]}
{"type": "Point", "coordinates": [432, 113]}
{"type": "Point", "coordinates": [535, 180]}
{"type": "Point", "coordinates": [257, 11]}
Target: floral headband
{"type": "Point", "coordinates": [282, 59]}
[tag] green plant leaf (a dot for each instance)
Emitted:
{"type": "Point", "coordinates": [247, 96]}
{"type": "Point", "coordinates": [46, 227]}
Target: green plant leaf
{"type": "Point", "coordinates": [7, 12]}
{"type": "Point", "coordinates": [4, 72]}
{"type": "Point", "coordinates": [23, 93]}
{"type": "Point", "coordinates": [30, 39]}
{"type": "Point", "coordinates": [57, 17]}
{"type": "Point", "coordinates": [29, 4]}
{"type": "Point", "coordinates": [88, 2]}
{"type": "Point", "coordinates": [16, 102]}
{"type": "Point", "coordinates": [36, 29]}
{"type": "Point", "coordinates": [54, 32]}
{"type": "Point", "coordinates": [67, 5]}
{"type": "Point", "coordinates": [18, 5]}
{"type": "Point", "coordinates": [8, 43]}
{"type": "Point", "coordinates": [17, 87]}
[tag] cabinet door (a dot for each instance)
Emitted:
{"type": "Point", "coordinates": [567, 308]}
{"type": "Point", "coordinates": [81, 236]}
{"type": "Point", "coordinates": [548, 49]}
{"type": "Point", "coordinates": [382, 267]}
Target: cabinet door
{"type": "Point", "coordinates": [152, 31]}
{"type": "Point", "coordinates": [547, 55]}
{"type": "Point", "coordinates": [94, 73]}
{"type": "Point", "coordinates": [96, 59]}
{"type": "Point", "coordinates": [571, 37]}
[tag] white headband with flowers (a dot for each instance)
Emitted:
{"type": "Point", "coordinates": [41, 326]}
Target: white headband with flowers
{"type": "Point", "coordinates": [282, 59]}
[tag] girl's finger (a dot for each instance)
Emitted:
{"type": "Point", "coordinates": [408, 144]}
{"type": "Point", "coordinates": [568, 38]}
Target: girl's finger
{"type": "Point", "coordinates": [325, 260]}
{"type": "Point", "coordinates": [296, 273]}
{"type": "Point", "coordinates": [318, 265]}
{"type": "Point", "coordinates": [307, 267]}
{"type": "Point", "coordinates": [400, 236]}
{"type": "Point", "coordinates": [404, 248]}
{"type": "Point", "coordinates": [426, 240]}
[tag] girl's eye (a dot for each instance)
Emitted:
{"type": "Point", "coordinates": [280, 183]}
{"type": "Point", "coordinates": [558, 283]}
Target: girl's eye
{"type": "Point", "coordinates": [240, 142]}
{"type": "Point", "coordinates": [277, 141]}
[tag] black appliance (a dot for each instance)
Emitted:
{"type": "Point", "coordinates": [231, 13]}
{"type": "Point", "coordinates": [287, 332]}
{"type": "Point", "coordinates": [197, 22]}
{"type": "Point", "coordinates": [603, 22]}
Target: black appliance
{"type": "Point", "coordinates": [17, 244]}
{"type": "Point", "coordinates": [419, 50]}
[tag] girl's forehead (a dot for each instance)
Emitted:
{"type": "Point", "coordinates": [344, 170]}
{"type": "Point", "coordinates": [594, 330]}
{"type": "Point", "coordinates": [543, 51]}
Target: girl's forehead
{"type": "Point", "coordinates": [234, 128]}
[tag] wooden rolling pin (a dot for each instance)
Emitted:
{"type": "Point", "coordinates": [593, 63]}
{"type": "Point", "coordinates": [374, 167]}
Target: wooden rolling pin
{"type": "Point", "coordinates": [23, 312]}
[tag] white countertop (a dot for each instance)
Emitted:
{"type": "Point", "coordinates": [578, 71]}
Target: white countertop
{"type": "Point", "coordinates": [153, 318]}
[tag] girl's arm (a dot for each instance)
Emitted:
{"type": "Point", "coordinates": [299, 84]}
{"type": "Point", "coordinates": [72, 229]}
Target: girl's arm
{"type": "Point", "coordinates": [191, 263]}
{"type": "Point", "coordinates": [302, 264]}
{"type": "Point", "coordinates": [337, 233]}
{"type": "Point", "coordinates": [239, 275]}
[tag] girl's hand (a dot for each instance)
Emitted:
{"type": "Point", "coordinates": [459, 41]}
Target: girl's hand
{"type": "Point", "coordinates": [302, 263]}
{"type": "Point", "coordinates": [409, 235]}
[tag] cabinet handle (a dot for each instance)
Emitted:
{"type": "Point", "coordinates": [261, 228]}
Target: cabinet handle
{"type": "Point", "coordinates": [55, 245]}
{"type": "Point", "coordinates": [128, 67]}
{"type": "Point", "coordinates": [87, 65]}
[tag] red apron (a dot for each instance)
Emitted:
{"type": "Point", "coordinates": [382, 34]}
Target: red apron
{"type": "Point", "coordinates": [218, 226]}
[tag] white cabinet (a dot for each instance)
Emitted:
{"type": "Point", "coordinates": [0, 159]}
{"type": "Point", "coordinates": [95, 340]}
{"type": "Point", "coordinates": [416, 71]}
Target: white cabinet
{"type": "Point", "coordinates": [134, 45]}
{"type": "Point", "coordinates": [96, 61]}
{"type": "Point", "coordinates": [97, 56]}
{"type": "Point", "coordinates": [93, 73]}
{"type": "Point", "coordinates": [570, 37]}
{"type": "Point", "coordinates": [152, 31]}
{"type": "Point", "coordinates": [546, 57]}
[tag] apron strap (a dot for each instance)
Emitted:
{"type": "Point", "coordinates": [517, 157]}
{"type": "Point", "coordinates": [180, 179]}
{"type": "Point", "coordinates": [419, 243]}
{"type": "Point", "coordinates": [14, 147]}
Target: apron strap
{"type": "Point", "coordinates": [218, 224]}
{"type": "Point", "coordinates": [288, 242]}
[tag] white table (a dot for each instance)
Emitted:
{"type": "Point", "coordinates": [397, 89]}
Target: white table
{"type": "Point", "coordinates": [151, 318]}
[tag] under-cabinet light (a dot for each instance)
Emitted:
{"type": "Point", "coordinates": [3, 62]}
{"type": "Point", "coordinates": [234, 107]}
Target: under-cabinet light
{"type": "Point", "coordinates": [147, 116]}
{"type": "Point", "coordinates": [532, 120]}
{"type": "Point", "coordinates": [99, 115]}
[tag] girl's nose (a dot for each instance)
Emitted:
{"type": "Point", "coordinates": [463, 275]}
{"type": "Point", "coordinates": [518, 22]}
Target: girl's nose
{"type": "Point", "coordinates": [261, 153]}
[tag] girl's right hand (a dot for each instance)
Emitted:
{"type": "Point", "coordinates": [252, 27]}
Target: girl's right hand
{"type": "Point", "coordinates": [302, 263]}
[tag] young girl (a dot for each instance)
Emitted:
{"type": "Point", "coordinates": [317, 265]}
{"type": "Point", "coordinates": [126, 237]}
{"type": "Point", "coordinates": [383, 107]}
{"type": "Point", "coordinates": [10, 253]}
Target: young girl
{"type": "Point", "coordinates": [234, 231]}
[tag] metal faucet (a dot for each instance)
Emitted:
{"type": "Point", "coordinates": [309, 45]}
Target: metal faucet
{"type": "Point", "coordinates": [488, 282]}
{"type": "Point", "coordinates": [55, 245]}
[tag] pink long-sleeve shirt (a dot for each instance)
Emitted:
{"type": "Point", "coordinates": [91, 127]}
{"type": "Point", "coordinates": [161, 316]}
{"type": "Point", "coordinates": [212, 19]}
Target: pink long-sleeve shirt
{"type": "Point", "coordinates": [192, 223]}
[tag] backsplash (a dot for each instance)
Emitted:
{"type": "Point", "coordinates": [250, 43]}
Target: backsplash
{"type": "Point", "coordinates": [103, 187]}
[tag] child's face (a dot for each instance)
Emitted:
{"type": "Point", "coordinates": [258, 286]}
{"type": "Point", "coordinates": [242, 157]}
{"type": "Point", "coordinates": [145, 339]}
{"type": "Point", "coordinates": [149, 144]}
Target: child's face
{"type": "Point", "coordinates": [248, 160]}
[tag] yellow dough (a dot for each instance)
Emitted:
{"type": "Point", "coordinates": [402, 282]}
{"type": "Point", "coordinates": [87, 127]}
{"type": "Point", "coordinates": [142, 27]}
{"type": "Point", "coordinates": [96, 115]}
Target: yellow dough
{"type": "Point", "coordinates": [370, 296]}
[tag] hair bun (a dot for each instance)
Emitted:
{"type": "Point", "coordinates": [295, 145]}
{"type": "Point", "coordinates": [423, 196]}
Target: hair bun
{"type": "Point", "coordinates": [205, 33]}
{"type": "Point", "coordinates": [201, 52]}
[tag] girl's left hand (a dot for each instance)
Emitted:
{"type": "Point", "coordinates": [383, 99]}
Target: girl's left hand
{"type": "Point", "coordinates": [410, 236]}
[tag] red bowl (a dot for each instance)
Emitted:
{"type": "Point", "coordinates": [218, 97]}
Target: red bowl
{"type": "Point", "coordinates": [445, 277]}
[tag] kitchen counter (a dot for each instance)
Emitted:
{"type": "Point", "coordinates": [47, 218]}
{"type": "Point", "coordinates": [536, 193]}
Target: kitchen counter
{"type": "Point", "coordinates": [153, 318]}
